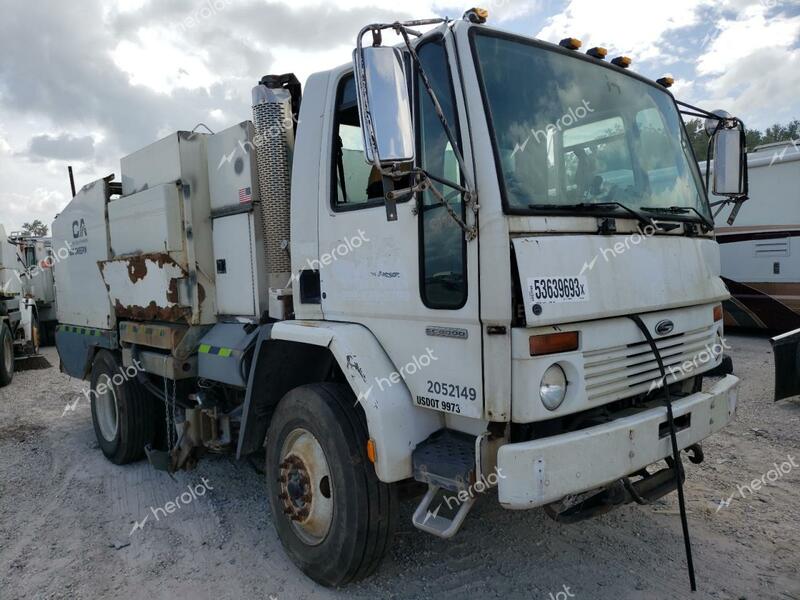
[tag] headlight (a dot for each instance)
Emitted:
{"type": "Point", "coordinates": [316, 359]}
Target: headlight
{"type": "Point", "coordinates": [553, 388]}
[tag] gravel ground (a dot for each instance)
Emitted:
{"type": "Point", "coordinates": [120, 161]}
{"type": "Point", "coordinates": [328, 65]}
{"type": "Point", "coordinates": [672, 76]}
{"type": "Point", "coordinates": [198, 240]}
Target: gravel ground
{"type": "Point", "coordinates": [66, 519]}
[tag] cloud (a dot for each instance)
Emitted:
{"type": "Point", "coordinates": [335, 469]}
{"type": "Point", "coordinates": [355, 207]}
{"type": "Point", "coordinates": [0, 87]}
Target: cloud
{"type": "Point", "coordinates": [63, 147]}
{"type": "Point", "coordinates": [637, 29]}
{"type": "Point", "coordinates": [107, 77]}
{"type": "Point", "coordinates": [749, 33]}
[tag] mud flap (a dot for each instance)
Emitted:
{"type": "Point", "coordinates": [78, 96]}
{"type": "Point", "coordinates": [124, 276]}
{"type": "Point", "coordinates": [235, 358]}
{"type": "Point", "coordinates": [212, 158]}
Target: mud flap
{"type": "Point", "coordinates": [787, 364]}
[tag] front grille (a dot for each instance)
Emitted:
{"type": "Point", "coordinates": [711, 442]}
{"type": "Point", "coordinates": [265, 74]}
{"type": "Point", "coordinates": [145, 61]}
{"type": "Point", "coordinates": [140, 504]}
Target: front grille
{"type": "Point", "coordinates": [631, 369]}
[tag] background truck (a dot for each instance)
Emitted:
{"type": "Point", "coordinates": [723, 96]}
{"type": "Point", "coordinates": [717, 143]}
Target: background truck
{"type": "Point", "coordinates": [472, 260]}
{"type": "Point", "coordinates": [19, 312]}
{"type": "Point", "coordinates": [36, 265]}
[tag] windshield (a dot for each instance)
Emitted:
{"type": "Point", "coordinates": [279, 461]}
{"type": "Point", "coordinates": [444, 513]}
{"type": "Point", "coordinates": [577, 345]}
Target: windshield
{"type": "Point", "coordinates": [568, 132]}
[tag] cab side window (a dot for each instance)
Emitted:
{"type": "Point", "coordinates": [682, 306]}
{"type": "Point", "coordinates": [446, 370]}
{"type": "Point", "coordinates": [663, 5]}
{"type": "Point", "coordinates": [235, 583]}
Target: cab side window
{"type": "Point", "coordinates": [442, 244]}
{"type": "Point", "coordinates": [355, 183]}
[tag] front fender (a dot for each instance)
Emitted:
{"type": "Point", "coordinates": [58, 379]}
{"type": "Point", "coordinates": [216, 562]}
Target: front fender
{"type": "Point", "coordinates": [395, 424]}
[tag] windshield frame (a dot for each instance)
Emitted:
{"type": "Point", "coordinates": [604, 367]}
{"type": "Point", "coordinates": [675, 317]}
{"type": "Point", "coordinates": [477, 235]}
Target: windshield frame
{"type": "Point", "coordinates": [478, 30]}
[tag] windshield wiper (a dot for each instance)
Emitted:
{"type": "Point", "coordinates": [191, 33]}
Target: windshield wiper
{"type": "Point", "coordinates": [680, 210]}
{"type": "Point", "coordinates": [595, 206]}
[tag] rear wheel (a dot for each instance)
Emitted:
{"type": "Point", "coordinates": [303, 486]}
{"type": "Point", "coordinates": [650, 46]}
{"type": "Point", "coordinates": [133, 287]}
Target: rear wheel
{"type": "Point", "coordinates": [334, 517]}
{"type": "Point", "coordinates": [123, 412]}
{"type": "Point", "coordinates": [6, 355]}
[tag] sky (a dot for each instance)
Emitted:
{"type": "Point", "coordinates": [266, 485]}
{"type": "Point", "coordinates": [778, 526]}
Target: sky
{"type": "Point", "coordinates": [86, 82]}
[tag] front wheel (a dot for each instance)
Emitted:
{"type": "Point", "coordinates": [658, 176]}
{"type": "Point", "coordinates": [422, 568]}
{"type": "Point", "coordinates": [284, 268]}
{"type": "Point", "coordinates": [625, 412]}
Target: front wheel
{"type": "Point", "coordinates": [333, 515]}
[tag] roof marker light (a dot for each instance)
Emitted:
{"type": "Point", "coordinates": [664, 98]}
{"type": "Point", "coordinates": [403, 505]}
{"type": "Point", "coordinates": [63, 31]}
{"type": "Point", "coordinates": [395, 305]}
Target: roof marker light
{"type": "Point", "coordinates": [622, 61]}
{"type": "Point", "coordinates": [597, 52]}
{"type": "Point", "coordinates": [665, 81]}
{"type": "Point", "coordinates": [570, 43]}
{"type": "Point", "coordinates": [477, 15]}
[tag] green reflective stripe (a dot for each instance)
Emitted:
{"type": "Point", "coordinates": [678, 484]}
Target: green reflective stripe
{"type": "Point", "coordinates": [216, 351]}
{"type": "Point", "coordinates": [80, 330]}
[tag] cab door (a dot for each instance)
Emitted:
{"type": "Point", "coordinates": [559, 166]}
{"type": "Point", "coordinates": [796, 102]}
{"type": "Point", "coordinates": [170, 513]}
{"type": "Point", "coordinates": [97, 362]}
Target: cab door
{"type": "Point", "coordinates": [413, 282]}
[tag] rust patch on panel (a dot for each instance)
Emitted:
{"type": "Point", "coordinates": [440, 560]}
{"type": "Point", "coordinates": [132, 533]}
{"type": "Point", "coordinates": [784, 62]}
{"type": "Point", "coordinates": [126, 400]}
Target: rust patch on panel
{"type": "Point", "coordinates": [172, 291]}
{"type": "Point", "coordinates": [153, 312]}
{"type": "Point", "coordinates": [137, 268]}
{"type": "Point", "coordinates": [165, 308]}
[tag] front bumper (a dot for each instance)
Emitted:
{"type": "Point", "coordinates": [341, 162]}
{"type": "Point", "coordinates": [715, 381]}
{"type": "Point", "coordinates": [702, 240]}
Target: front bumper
{"type": "Point", "coordinates": [541, 471]}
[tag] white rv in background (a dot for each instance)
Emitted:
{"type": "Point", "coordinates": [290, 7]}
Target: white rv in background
{"type": "Point", "coordinates": [760, 253]}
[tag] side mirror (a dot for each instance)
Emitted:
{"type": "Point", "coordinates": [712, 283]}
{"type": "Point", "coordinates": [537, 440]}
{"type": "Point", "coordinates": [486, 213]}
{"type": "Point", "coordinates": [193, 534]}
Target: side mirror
{"type": "Point", "coordinates": [384, 106]}
{"type": "Point", "coordinates": [730, 163]}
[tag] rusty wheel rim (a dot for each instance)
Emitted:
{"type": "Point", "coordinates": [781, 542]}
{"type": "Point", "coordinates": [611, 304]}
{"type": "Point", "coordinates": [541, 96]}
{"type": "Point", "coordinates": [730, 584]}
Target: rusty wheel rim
{"type": "Point", "coordinates": [306, 489]}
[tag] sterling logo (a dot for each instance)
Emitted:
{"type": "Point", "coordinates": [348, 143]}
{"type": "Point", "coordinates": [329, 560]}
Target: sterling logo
{"type": "Point", "coordinates": [664, 327]}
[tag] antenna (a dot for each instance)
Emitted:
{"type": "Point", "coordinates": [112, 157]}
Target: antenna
{"type": "Point", "coordinates": [71, 180]}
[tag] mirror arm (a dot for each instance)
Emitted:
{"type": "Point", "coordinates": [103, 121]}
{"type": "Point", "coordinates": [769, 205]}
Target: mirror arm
{"type": "Point", "coordinates": [436, 105]}
{"type": "Point", "coordinates": [722, 122]}
{"type": "Point", "coordinates": [362, 85]}
{"type": "Point", "coordinates": [425, 183]}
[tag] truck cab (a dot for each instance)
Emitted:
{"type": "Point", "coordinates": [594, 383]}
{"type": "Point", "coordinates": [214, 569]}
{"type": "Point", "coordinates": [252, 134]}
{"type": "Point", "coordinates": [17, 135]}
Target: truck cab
{"type": "Point", "coordinates": [473, 260]}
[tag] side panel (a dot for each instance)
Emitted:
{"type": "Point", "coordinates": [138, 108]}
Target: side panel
{"type": "Point", "coordinates": [76, 347]}
{"type": "Point", "coordinates": [236, 266]}
{"type": "Point", "coordinates": [80, 235]}
{"type": "Point", "coordinates": [148, 221]}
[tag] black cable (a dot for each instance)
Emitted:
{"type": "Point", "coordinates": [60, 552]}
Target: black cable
{"type": "Point", "coordinates": [676, 454]}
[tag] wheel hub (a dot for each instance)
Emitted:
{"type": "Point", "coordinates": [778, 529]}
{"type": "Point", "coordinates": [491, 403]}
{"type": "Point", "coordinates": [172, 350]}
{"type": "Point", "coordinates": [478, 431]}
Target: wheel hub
{"type": "Point", "coordinates": [306, 493]}
{"type": "Point", "coordinates": [296, 490]}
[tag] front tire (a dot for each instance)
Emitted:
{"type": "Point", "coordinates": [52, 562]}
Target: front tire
{"type": "Point", "coordinates": [6, 355]}
{"type": "Point", "coordinates": [333, 515]}
{"type": "Point", "coordinates": [123, 414]}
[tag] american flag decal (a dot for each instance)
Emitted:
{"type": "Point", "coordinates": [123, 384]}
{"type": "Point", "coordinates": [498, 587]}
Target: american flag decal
{"type": "Point", "coordinates": [245, 195]}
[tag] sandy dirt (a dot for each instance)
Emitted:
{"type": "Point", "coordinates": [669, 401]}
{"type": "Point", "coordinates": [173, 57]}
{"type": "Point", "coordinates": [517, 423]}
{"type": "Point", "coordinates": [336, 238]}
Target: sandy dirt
{"type": "Point", "coordinates": [67, 518]}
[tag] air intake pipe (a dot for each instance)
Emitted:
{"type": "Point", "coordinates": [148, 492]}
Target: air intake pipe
{"type": "Point", "coordinates": [276, 103]}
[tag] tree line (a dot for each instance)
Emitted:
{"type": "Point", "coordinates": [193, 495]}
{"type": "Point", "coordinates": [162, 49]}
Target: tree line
{"type": "Point", "coordinates": [776, 133]}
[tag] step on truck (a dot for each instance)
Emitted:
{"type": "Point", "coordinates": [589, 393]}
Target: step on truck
{"type": "Point", "coordinates": [471, 260]}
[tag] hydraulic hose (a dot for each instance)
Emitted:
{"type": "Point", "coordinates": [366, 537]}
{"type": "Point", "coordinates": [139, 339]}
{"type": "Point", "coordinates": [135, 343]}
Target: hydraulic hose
{"type": "Point", "coordinates": [676, 454]}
